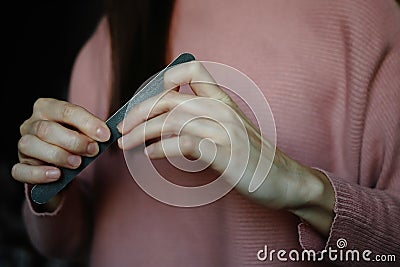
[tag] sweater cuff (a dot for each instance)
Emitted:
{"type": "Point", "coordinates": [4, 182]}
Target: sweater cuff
{"type": "Point", "coordinates": [346, 210]}
{"type": "Point", "coordinates": [35, 209]}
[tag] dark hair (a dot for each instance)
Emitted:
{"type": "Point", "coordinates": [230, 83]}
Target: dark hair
{"type": "Point", "coordinates": [139, 35]}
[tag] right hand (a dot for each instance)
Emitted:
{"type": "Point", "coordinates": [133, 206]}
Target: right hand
{"type": "Point", "coordinates": [56, 135]}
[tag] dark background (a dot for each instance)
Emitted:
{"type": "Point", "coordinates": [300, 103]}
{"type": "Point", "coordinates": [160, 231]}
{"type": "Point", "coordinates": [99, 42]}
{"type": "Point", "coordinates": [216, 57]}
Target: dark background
{"type": "Point", "coordinates": [40, 40]}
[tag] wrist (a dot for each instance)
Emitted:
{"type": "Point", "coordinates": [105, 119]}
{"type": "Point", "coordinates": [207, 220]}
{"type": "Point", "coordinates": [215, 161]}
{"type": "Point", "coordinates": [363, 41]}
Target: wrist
{"type": "Point", "coordinates": [318, 201]}
{"type": "Point", "coordinates": [318, 191]}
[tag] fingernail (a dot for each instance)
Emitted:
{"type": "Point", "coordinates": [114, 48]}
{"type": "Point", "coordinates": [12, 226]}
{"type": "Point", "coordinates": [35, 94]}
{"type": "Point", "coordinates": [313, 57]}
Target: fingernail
{"type": "Point", "coordinates": [120, 144]}
{"type": "Point", "coordinates": [74, 161]}
{"type": "Point", "coordinates": [52, 174]}
{"type": "Point", "coordinates": [92, 149]}
{"type": "Point", "coordinates": [102, 133]}
{"type": "Point", "coordinates": [119, 127]}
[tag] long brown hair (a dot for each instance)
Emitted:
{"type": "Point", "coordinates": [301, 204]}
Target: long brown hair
{"type": "Point", "coordinates": [139, 34]}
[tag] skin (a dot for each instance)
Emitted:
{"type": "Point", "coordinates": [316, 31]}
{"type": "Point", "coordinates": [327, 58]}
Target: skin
{"type": "Point", "coordinates": [48, 140]}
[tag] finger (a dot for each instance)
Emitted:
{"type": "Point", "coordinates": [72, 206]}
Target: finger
{"type": "Point", "coordinates": [145, 131]}
{"type": "Point", "coordinates": [192, 148]}
{"type": "Point", "coordinates": [30, 161]}
{"type": "Point", "coordinates": [151, 108]}
{"type": "Point", "coordinates": [175, 146]}
{"type": "Point", "coordinates": [35, 174]}
{"type": "Point", "coordinates": [70, 140]}
{"type": "Point", "coordinates": [33, 147]}
{"type": "Point", "coordinates": [177, 124]}
{"type": "Point", "coordinates": [200, 80]}
{"type": "Point", "coordinates": [72, 115]}
{"type": "Point", "coordinates": [167, 101]}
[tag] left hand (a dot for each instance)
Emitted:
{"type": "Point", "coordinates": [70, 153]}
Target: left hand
{"type": "Point", "coordinates": [211, 113]}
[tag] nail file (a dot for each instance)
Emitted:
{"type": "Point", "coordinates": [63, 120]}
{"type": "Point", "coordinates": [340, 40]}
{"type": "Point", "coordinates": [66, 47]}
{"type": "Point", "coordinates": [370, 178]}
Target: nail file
{"type": "Point", "coordinates": [42, 193]}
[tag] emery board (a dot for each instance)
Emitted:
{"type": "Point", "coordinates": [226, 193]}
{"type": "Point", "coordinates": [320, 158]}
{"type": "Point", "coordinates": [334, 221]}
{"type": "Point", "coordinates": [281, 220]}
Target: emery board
{"type": "Point", "coordinates": [42, 193]}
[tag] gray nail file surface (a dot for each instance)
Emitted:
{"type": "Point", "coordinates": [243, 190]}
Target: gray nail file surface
{"type": "Point", "coordinates": [41, 193]}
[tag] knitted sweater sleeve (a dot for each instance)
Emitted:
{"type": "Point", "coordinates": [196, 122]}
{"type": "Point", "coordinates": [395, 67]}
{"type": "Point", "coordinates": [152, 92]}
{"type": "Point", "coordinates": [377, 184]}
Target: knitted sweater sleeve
{"type": "Point", "coordinates": [65, 233]}
{"type": "Point", "coordinates": [367, 212]}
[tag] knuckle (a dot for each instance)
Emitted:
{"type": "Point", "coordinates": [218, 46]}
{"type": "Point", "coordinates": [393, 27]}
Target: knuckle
{"type": "Point", "coordinates": [30, 172]}
{"type": "Point", "coordinates": [167, 99]}
{"type": "Point", "coordinates": [42, 129]}
{"type": "Point", "coordinates": [21, 173]}
{"type": "Point", "coordinates": [75, 142]}
{"type": "Point", "coordinates": [173, 125]}
{"type": "Point", "coordinates": [136, 109]}
{"type": "Point", "coordinates": [39, 103]}
{"type": "Point", "coordinates": [23, 128]}
{"type": "Point", "coordinates": [145, 112]}
{"type": "Point", "coordinates": [195, 67]}
{"type": "Point", "coordinates": [36, 114]}
{"type": "Point", "coordinates": [187, 144]}
{"type": "Point", "coordinates": [165, 128]}
{"type": "Point", "coordinates": [23, 142]}
{"type": "Point", "coordinates": [56, 155]}
{"type": "Point", "coordinates": [87, 122]}
{"type": "Point", "coordinates": [15, 172]}
{"type": "Point", "coordinates": [37, 173]}
{"type": "Point", "coordinates": [67, 111]}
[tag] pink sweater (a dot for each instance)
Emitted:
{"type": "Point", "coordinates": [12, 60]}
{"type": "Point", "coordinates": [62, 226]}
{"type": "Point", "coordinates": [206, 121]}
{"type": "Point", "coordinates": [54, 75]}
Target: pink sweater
{"type": "Point", "coordinates": [331, 73]}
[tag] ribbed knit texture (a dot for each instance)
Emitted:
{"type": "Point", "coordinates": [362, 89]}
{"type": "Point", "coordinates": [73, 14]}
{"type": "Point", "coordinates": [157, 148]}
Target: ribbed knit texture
{"type": "Point", "coordinates": [331, 73]}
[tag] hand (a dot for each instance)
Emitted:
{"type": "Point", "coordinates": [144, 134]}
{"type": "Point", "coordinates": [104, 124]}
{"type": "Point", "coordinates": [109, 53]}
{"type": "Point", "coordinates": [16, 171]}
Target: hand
{"type": "Point", "coordinates": [211, 114]}
{"type": "Point", "coordinates": [56, 135]}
